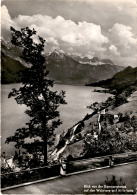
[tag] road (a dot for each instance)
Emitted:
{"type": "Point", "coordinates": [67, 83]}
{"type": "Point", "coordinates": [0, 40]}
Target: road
{"type": "Point", "coordinates": [74, 184]}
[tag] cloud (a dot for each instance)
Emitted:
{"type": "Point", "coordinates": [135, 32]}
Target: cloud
{"type": "Point", "coordinates": [119, 42]}
{"type": "Point", "coordinates": [6, 21]}
{"type": "Point", "coordinates": [124, 43]}
{"type": "Point", "coordinates": [114, 50]}
{"type": "Point", "coordinates": [123, 36]}
{"type": "Point", "coordinates": [60, 32]}
{"type": "Point", "coordinates": [84, 33]}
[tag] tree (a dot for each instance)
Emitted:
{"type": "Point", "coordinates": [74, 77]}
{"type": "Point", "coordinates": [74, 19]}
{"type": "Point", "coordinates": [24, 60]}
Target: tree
{"type": "Point", "coordinates": [110, 141]}
{"type": "Point", "coordinates": [35, 92]}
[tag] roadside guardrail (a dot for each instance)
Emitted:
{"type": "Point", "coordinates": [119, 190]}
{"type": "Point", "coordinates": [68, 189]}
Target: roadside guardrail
{"type": "Point", "coordinates": [36, 174]}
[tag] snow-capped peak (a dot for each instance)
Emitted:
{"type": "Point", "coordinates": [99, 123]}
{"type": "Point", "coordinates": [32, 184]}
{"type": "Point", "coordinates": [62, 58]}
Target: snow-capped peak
{"type": "Point", "coordinates": [57, 53]}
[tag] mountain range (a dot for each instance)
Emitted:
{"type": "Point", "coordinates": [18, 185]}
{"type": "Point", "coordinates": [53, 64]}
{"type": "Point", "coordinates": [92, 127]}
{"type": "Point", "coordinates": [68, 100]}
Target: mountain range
{"type": "Point", "coordinates": [63, 68]}
{"type": "Point", "coordinates": [71, 70]}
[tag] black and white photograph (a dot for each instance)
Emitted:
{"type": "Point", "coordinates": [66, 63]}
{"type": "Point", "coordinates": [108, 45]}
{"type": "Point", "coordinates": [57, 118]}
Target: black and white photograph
{"type": "Point", "coordinates": [68, 97]}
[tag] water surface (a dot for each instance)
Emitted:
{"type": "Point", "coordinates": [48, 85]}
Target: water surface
{"type": "Point", "coordinates": [77, 97]}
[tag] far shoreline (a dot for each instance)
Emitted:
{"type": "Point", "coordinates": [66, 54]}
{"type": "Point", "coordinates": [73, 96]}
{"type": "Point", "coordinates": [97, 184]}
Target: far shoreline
{"type": "Point", "coordinates": [82, 85]}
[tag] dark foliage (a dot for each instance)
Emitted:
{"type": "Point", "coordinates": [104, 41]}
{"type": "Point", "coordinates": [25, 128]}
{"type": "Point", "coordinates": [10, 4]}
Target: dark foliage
{"type": "Point", "coordinates": [123, 80]}
{"type": "Point", "coordinates": [35, 92]}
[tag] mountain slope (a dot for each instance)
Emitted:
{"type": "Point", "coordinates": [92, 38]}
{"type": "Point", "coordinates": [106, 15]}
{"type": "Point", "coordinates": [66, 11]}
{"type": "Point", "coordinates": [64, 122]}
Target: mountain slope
{"type": "Point", "coordinates": [101, 133]}
{"type": "Point", "coordinates": [121, 80]}
{"type": "Point", "coordinates": [10, 69]}
{"type": "Point", "coordinates": [11, 64]}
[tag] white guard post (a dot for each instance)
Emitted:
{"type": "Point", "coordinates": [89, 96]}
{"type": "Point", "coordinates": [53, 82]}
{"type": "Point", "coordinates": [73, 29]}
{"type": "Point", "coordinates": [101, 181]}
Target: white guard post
{"type": "Point", "coordinates": [111, 161]}
{"type": "Point", "coordinates": [63, 168]}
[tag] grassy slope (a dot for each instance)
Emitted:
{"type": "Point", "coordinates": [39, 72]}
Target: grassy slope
{"type": "Point", "coordinates": [130, 106]}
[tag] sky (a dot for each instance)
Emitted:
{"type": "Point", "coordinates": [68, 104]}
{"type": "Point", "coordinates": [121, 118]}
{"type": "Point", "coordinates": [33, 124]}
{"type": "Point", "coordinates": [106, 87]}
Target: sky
{"type": "Point", "coordinates": [103, 28]}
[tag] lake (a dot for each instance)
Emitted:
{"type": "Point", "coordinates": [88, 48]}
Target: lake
{"type": "Point", "coordinates": [77, 97]}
